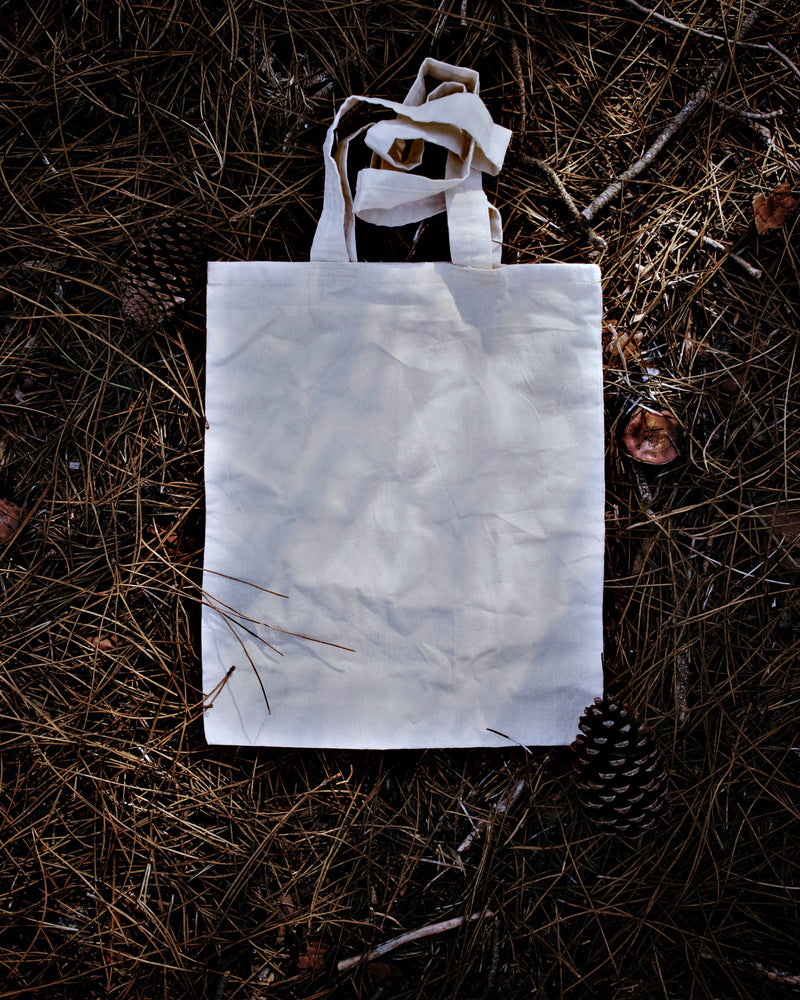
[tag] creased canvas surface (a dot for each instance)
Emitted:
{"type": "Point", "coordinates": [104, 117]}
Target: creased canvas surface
{"type": "Point", "coordinates": [413, 455]}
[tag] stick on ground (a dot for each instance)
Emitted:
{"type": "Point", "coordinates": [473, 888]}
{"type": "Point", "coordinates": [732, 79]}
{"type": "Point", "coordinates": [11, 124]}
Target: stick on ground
{"type": "Point", "coordinates": [754, 272]}
{"type": "Point", "coordinates": [408, 937]}
{"type": "Point", "coordinates": [696, 101]}
{"type": "Point", "coordinates": [504, 803]}
{"type": "Point", "coordinates": [756, 46]}
{"type": "Point", "coordinates": [517, 64]}
{"type": "Point", "coordinates": [594, 238]}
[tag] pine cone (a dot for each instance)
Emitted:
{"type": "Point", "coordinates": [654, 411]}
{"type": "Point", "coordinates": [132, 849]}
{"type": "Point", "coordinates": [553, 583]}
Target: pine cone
{"type": "Point", "coordinates": [620, 773]}
{"type": "Point", "coordinates": [165, 270]}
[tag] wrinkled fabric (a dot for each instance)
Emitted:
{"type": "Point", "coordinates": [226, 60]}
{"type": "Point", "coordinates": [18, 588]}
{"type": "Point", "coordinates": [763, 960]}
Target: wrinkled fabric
{"type": "Point", "coordinates": [413, 455]}
{"type": "Point", "coordinates": [451, 116]}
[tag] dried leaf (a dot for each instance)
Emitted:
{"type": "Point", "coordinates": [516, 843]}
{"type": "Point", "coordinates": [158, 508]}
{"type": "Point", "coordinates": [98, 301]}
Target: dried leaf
{"type": "Point", "coordinates": [381, 972]}
{"type": "Point", "coordinates": [106, 643]}
{"type": "Point", "coordinates": [175, 544]}
{"type": "Point", "coordinates": [652, 438]}
{"type": "Point", "coordinates": [313, 955]}
{"type": "Point", "coordinates": [771, 212]}
{"type": "Point", "coordinates": [10, 515]}
{"type": "Point", "coordinates": [624, 343]}
{"type": "Point", "coordinates": [786, 533]}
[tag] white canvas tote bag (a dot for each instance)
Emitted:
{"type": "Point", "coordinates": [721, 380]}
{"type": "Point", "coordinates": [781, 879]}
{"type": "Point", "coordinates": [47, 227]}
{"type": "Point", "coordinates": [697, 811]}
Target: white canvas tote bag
{"type": "Point", "coordinates": [412, 456]}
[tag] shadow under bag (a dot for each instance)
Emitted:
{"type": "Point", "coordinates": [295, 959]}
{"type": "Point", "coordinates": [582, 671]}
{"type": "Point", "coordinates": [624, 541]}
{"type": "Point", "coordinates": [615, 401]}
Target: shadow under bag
{"type": "Point", "coordinates": [412, 455]}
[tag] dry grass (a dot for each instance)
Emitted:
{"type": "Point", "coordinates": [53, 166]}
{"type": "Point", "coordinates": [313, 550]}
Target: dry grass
{"type": "Point", "coordinates": [136, 861]}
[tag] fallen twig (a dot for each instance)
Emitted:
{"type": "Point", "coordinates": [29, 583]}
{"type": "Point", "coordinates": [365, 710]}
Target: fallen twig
{"type": "Point", "coordinates": [784, 58]}
{"type": "Point", "coordinates": [777, 975]}
{"type": "Point", "coordinates": [164, 30]}
{"type": "Point", "coordinates": [504, 803]}
{"type": "Point", "coordinates": [408, 937]}
{"type": "Point", "coordinates": [689, 29]}
{"type": "Point", "coordinates": [593, 237]}
{"type": "Point", "coordinates": [683, 672]}
{"type": "Point", "coordinates": [516, 62]}
{"type": "Point", "coordinates": [754, 272]}
{"type": "Point", "coordinates": [491, 978]}
{"type": "Point", "coordinates": [754, 119]}
{"type": "Point", "coordinates": [695, 31]}
{"type": "Point", "coordinates": [753, 116]}
{"type": "Point", "coordinates": [700, 96]}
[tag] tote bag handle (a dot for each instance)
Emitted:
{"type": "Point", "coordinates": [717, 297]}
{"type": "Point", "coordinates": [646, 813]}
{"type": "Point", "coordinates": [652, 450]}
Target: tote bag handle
{"type": "Point", "coordinates": [452, 116]}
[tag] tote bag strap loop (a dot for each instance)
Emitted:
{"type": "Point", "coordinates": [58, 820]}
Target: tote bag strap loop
{"type": "Point", "coordinates": [387, 194]}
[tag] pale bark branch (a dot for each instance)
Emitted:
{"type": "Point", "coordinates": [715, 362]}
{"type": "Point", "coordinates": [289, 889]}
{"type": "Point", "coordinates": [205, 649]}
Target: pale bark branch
{"type": "Point", "coordinates": [755, 46]}
{"type": "Point", "coordinates": [697, 100]}
{"type": "Point", "coordinates": [516, 62]}
{"type": "Point", "coordinates": [777, 975]}
{"type": "Point", "coordinates": [754, 119]}
{"type": "Point", "coordinates": [754, 272]}
{"type": "Point", "coordinates": [695, 31]}
{"type": "Point", "coordinates": [574, 211]}
{"type": "Point", "coordinates": [408, 937]}
{"type": "Point", "coordinates": [752, 116]}
{"type": "Point", "coordinates": [164, 30]}
{"type": "Point", "coordinates": [784, 59]}
{"type": "Point", "coordinates": [504, 803]}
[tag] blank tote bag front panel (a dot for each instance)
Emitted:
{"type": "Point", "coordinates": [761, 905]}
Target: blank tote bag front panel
{"type": "Point", "coordinates": [404, 474]}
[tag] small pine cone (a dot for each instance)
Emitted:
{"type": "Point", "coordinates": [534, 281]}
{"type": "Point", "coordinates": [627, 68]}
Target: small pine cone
{"type": "Point", "coordinates": [164, 271]}
{"type": "Point", "coordinates": [620, 773]}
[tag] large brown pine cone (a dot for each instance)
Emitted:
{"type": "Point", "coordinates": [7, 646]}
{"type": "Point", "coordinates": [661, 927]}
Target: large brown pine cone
{"type": "Point", "coordinates": [165, 270]}
{"type": "Point", "coordinates": [620, 773]}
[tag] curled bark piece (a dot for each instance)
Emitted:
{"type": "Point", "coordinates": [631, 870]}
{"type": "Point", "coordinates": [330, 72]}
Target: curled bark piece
{"type": "Point", "coordinates": [652, 437]}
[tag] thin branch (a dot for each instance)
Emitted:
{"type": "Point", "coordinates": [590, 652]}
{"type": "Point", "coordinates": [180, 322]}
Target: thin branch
{"type": "Point", "coordinates": [754, 119]}
{"type": "Point", "coordinates": [777, 975]}
{"type": "Point", "coordinates": [516, 62]}
{"type": "Point", "coordinates": [754, 46]}
{"type": "Point", "coordinates": [695, 31]}
{"type": "Point", "coordinates": [408, 937]}
{"type": "Point", "coordinates": [701, 95]}
{"type": "Point", "coordinates": [683, 673]}
{"type": "Point", "coordinates": [751, 116]}
{"type": "Point", "coordinates": [574, 211]}
{"type": "Point", "coordinates": [491, 979]}
{"type": "Point", "coordinates": [683, 116]}
{"type": "Point", "coordinates": [784, 59]}
{"type": "Point", "coordinates": [168, 22]}
{"type": "Point", "coordinates": [504, 803]}
{"type": "Point", "coordinates": [754, 272]}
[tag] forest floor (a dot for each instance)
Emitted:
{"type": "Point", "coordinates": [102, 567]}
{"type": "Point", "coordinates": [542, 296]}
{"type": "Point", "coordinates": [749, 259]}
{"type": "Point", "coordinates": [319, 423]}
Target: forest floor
{"type": "Point", "coordinates": [138, 862]}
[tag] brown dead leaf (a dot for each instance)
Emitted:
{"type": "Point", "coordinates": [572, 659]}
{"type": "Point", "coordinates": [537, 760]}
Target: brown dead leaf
{"type": "Point", "coordinates": [176, 544]}
{"type": "Point", "coordinates": [624, 343]}
{"type": "Point", "coordinates": [381, 972]}
{"type": "Point", "coordinates": [771, 212]}
{"type": "Point", "coordinates": [287, 902]}
{"type": "Point", "coordinates": [652, 438]}
{"type": "Point", "coordinates": [10, 516]}
{"type": "Point", "coordinates": [313, 955]}
{"type": "Point", "coordinates": [786, 534]}
{"type": "Point", "coordinates": [106, 643]}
